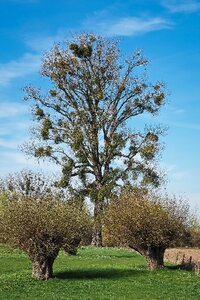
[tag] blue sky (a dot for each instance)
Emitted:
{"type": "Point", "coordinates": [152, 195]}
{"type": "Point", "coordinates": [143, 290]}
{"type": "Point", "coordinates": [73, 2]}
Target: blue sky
{"type": "Point", "coordinates": [168, 32]}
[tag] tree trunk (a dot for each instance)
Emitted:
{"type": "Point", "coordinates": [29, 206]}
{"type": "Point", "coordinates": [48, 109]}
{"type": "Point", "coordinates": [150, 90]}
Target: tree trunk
{"type": "Point", "coordinates": [42, 266]}
{"type": "Point", "coordinates": [154, 257]}
{"type": "Point", "coordinates": [97, 236]}
{"type": "Point", "coordinates": [97, 228]}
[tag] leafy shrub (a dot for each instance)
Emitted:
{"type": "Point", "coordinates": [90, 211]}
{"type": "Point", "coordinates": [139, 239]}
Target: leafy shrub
{"type": "Point", "coordinates": [147, 223]}
{"type": "Point", "coordinates": [41, 227]}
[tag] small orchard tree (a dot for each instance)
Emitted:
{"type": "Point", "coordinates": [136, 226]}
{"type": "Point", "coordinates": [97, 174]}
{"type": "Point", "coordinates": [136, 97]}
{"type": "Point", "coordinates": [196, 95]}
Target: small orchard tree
{"type": "Point", "coordinates": [147, 223]}
{"type": "Point", "coordinates": [40, 227]}
{"type": "Point", "coordinates": [33, 184]}
{"type": "Point", "coordinates": [194, 238]}
{"type": "Point", "coordinates": [82, 119]}
{"type": "Point", "coordinates": [27, 183]}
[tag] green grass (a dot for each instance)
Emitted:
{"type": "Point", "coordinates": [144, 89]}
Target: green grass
{"type": "Point", "coordinates": [94, 274]}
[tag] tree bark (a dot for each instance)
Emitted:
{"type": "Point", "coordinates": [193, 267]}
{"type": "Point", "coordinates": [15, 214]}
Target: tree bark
{"type": "Point", "coordinates": [42, 266]}
{"type": "Point", "coordinates": [97, 228]}
{"type": "Point", "coordinates": [155, 257]}
{"type": "Point", "coordinates": [97, 236]}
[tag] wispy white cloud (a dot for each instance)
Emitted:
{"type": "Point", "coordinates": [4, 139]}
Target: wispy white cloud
{"type": "Point", "coordinates": [25, 65]}
{"type": "Point", "coordinates": [129, 26]}
{"type": "Point", "coordinates": [10, 109]}
{"type": "Point", "coordinates": [174, 173]}
{"type": "Point", "coordinates": [186, 125]}
{"type": "Point", "coordinates": [194, 201]}
{"type": "Point", "coordinates": [42, 43]}
{"type": "Point", "coordinates": [12, 135]}
{"type": "Point", "coordinates": [186, 6]}
{"type": "Point", "coordinates": [12, 161]}
{"type": "Point", "coordinates": [175, 110]}
{"type": "Point", "coordinates": [14, 125]}
{"type": "Point", "coordinates": [29, 63]}
{"type": "Point", "coordinates": [178, 183]}
{"type": "Point", "coordinates": [10, 144]}
{"type": "Point", "coordinates": [179, 175]}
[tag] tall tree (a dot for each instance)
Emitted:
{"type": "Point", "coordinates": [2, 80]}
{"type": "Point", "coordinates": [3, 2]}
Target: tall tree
{"type": "Point", "coordinates": [82, 119]}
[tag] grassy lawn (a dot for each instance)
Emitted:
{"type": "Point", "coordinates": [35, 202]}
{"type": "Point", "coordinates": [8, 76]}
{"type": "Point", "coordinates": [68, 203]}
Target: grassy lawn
{"type": "Point", "coordinates": [94, 274]}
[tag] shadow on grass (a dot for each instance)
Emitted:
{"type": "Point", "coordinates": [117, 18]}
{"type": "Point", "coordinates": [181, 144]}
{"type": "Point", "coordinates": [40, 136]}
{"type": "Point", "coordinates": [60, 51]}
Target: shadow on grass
{"type": "Point", "coordinates": [186, 267]}
{"type": "Point", "coordinates": [95, 274]}
{"type": "Point", "coordinates": [109, 256]}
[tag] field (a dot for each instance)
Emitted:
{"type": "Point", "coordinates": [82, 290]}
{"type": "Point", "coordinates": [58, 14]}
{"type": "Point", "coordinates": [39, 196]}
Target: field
{"type": "Point", "coordinates": [183, 255]}
{"type": "Point", "coordinates": [95, 274]}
